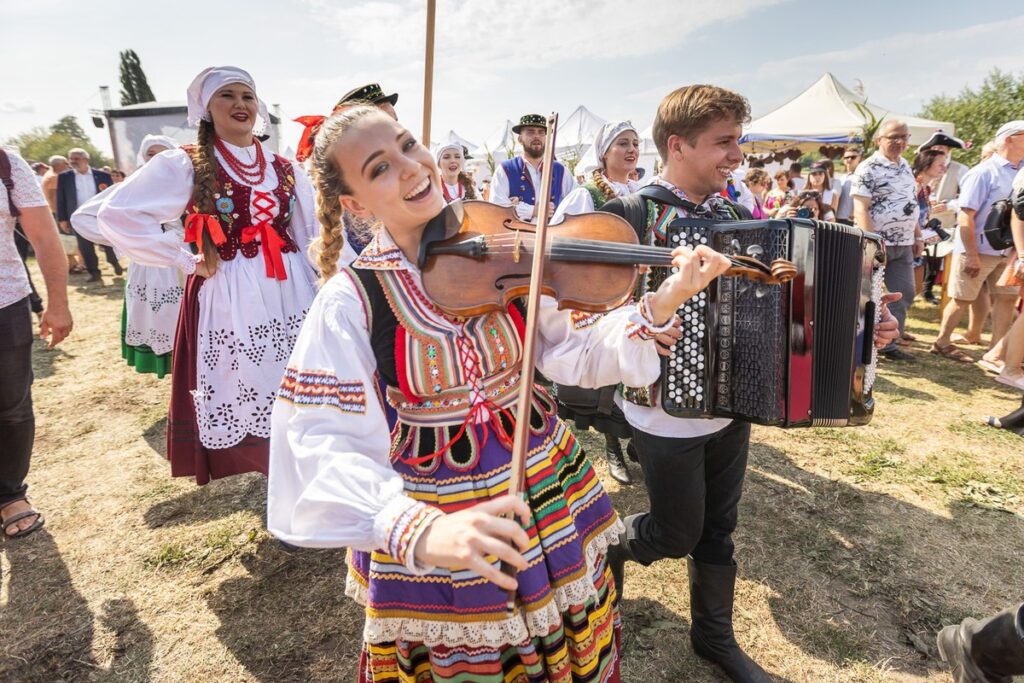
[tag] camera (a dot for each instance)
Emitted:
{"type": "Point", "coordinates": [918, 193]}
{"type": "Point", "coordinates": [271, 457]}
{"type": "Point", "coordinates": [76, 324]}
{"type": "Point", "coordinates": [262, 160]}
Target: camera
{"type": "Point", "coordinates": [803, 212]}
{"type": "Point", "coordinates": [936, 225]}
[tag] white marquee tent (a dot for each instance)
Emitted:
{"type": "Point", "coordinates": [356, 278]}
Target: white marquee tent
{"type": "Point", "coordinates": [826, 114]}
{"type": "Point", "coordinates": [576, 132]}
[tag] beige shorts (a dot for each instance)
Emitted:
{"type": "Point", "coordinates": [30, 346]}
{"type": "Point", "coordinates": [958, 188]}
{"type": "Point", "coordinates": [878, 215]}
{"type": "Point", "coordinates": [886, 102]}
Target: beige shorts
{"type": "Point", "coordinates": [966, 288]}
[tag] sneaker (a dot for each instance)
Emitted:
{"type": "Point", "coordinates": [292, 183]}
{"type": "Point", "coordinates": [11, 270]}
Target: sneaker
{"type": "Point", "coordinates": [95, 277]}
{"type": "Point", "coordinates": [897, 355]}
{"type": "Point", "coordinates": [990, 366]}
{"type": "Point", "coordinates": [1015, 381]}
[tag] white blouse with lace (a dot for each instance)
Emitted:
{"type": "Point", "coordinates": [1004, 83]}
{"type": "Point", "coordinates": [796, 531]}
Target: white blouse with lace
{"type": "Point", "coordinates": [248, 321]}
{"type": "Point", "coordinates": [152, 295]}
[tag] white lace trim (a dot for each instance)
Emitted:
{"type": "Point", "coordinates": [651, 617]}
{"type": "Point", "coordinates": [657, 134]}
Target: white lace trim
{"type": "Point", "coordinates": [511, 631]}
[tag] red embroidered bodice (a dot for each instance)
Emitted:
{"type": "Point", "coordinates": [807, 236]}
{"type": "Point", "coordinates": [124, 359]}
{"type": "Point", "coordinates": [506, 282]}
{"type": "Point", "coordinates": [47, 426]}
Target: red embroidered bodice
{"type": "Point", "coordinates": [232, 201]}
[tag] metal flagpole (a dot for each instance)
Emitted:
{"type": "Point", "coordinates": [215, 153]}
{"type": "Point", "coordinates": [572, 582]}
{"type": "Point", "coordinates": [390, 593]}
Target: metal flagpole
{"type": "Point", "coordinates": [428, 76]}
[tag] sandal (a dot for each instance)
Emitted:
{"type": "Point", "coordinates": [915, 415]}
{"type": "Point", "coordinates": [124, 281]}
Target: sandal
{"type": "Point", "coordinates": [14, 519]}
{"type": "Point", "coordinates": [909, 337]}
{"type": "Point", "coordinates": [951, 352]}
{"type": "Point", "coordinates": [961, 339]}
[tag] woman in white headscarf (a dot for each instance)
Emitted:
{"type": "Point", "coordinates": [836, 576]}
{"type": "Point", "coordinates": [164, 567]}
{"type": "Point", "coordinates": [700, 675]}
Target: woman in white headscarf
{"type": "Point", "coordinates": [152, 295]}
{"type": "Point", "coordinates": [608, 163]}
{"type": "Point", "coordinates": [606, 166]}
{"type": "Point", "coordinates": [251, 216]}
{"type": "Point", "coordinates": [455, 184]}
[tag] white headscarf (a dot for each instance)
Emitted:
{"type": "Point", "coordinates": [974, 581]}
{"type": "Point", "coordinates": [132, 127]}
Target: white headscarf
{"type": "Point", "coordinates": [212, 79]}
{"type": "Point", "coordinates": [606, 134]}
{"type": "Point", "coordinates": [445, 147]}
{"type": "Point", "coordinates": [149, 141]}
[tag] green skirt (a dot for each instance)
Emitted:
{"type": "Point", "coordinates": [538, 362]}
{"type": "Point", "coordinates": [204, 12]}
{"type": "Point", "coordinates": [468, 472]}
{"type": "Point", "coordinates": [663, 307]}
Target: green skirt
{"type": "Point", "coordinates": [142, 358]}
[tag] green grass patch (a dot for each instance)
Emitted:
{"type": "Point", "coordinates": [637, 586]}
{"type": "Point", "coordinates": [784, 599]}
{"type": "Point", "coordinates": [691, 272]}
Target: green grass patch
{"type": "Point", "coordinates": [170, 555]}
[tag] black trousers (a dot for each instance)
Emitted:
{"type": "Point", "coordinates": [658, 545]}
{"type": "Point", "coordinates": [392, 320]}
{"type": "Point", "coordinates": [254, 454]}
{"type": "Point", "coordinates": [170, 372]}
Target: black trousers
{"type": "Point", "coordinates": [17, 421]}
{"type": "Point", "coordinates": [694, 486]}
{"type": "Point", "coordinates": [88, 250]}
{"type": "Point", "coordinates": [932, 268]}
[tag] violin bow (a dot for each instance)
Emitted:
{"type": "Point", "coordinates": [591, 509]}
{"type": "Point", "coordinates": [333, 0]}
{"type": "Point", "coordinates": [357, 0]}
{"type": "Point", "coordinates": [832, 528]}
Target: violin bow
{"type": "Point", "coordinates": [521, 440]}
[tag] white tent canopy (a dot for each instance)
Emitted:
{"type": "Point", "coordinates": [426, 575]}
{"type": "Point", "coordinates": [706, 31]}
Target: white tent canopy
{"type": "Point", "coordinates": [576, 132]}
{"type": "Point", "coordinates": [454, 138]}
{"type": "Point", "coordinates": [826, 114]}
{"type": "Point", "coordinates": [499, 143]}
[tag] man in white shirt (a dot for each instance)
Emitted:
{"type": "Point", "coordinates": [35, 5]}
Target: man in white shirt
{"type": "Point", "coordinates": [74, 187]}
{"type": "Point", "coordinates": [975, 262]}
{"type": "Point", "coordinates": [516, 180]}
{"type": "Point", "coordinates": [844, 209]}
{"type": "Point", "coordinates": [885, 201]}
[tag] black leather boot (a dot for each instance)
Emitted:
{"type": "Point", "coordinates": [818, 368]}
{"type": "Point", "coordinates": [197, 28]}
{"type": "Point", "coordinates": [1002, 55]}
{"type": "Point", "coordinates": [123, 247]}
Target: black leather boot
{"type": "Point", "coordinates": [618, 555]}
{"type": "Point", "coordinates": [616, 463]}
{"type": "Point", "coordinates": [711, 595]}
{"type": "Point", "coordinates": [986, 651]}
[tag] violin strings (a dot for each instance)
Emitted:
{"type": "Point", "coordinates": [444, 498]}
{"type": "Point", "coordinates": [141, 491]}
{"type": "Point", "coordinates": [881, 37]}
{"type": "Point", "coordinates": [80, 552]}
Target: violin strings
{"type": "Point", "coordinates": [568, 246]}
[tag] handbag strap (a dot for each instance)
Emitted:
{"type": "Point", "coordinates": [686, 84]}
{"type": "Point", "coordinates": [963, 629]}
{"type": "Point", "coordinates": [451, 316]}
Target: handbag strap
{"type": "Point", "coordinates": [5, 177]}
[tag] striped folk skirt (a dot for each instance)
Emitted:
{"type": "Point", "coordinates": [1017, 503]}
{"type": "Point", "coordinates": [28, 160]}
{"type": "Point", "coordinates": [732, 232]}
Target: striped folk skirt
{"type": "Point", "coordinates": [452, 625]}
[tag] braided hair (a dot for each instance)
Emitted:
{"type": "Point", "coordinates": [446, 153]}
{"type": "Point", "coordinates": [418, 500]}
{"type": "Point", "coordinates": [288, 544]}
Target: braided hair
{"type": "Point", "coordinates": [469, 192]}
{"type": "Point", "coordinates": [204, 186]}
{"type": "Point", "coordinates": [598, 178]}
{"type": "Point", "coordinates": [330, 185]}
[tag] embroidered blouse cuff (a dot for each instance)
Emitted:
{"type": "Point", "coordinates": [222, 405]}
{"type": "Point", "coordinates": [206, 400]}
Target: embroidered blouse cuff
{"type": "Point", "coordinates": [185, 262]}
{"type": "Point", "coordinates": [647, 316]}
{"type": "Point", "coordinates": [640, 327]}
{"type": "Point", "coordinates": [399, 526]}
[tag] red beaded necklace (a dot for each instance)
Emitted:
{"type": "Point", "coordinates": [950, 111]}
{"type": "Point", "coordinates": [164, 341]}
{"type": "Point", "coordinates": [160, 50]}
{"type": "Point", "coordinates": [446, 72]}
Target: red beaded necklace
{"type": "Point", "coordinates": [253, 173]}
{"type": "Point", "coordinates": [444, 189]}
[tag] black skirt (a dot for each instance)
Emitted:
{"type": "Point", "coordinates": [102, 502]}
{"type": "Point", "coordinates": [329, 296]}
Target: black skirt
{"type": "Point", "coordinates": [592, 408]}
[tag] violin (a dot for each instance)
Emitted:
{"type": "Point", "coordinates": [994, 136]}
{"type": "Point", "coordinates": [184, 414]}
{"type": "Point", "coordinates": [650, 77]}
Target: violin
{"type": "Point", "coordinates": [475, 257]}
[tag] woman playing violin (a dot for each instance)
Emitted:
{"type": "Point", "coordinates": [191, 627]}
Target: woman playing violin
{"type": "Point", "coordinates": [421, 506]}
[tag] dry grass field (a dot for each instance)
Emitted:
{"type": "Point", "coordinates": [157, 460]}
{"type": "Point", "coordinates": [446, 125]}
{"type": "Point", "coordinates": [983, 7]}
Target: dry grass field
{"type": "Point", "coordinates": [855, 546]}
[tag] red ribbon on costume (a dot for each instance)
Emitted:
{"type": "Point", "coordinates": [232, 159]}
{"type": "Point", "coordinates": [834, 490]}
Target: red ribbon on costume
{"type": "Point", "coordinates": [494, 413]}
{"type": "Point", "coordinates": [270, 245]}
{"type": "Point", "coordinates": [194, 224]}
{"type": "Point", "coordinates": [312, 124]}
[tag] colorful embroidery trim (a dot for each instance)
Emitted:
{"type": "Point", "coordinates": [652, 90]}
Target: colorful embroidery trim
{"type": "Point", "coordinates": [322, 388]}
{"type": "Point", "coordinates": [582, 319]}
{"type": "Point", "coordinates": [407, 528]}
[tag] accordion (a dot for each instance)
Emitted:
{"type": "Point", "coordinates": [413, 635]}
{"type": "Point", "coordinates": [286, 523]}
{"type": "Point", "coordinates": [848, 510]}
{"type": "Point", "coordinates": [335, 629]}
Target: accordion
{"type": "Point", "coordinates": [799, 354]}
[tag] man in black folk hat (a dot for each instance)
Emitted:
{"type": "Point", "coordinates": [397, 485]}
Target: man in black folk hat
{"type": "Point", "coordinates": [371, 93]}
{"type": "Point", "coordinates": [516, 180]}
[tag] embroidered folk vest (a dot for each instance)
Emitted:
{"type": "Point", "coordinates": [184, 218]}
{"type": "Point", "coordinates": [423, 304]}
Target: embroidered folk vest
{"type": "Point", "coordinates": [521, 185]}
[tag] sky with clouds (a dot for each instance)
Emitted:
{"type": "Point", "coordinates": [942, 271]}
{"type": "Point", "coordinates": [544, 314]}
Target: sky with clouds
{"type": "Point", "coordinates": [494, 59]}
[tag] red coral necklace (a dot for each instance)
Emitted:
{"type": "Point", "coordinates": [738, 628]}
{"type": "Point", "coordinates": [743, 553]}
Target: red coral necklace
{"type": "Point", "coordinates": [253, 173]}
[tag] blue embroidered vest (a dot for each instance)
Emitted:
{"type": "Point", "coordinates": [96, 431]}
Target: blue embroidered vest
{"type": "Point", "coordinates": [521, 185]}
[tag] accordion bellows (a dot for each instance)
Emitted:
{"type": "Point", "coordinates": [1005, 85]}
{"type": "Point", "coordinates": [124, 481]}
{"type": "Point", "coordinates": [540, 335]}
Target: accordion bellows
{"type": "Point", "coordinates": [794, 355]}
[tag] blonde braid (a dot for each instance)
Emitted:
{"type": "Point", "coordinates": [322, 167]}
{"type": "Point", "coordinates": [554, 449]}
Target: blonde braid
{"type": "Point", "coordinates": [327, 247]}
{"type": "Point", "coordinates": [602, 184]}
{"type": "Point", "coordinates": [204, 187]}
{"type": "Point", "coordinates": [330, 186]}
